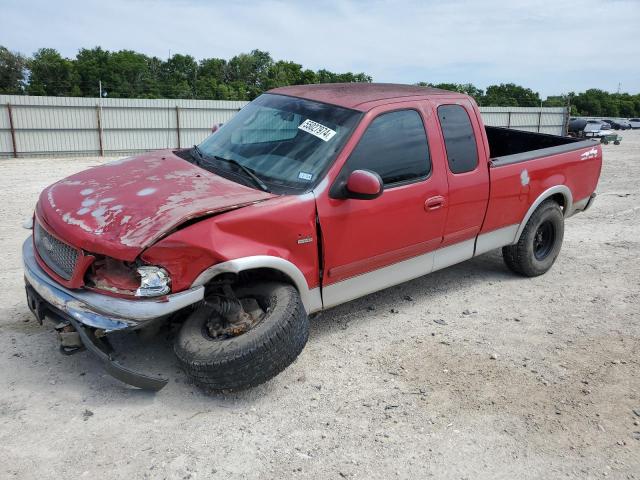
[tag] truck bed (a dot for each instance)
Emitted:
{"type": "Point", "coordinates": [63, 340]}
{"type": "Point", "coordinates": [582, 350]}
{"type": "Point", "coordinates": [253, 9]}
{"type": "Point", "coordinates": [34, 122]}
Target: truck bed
{"type": "Point", "coordinates": [508, 146]}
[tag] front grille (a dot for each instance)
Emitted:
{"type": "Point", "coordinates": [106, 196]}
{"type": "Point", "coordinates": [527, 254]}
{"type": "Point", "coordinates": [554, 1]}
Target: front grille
{"type": "Point", "coordinates": [59, 257]}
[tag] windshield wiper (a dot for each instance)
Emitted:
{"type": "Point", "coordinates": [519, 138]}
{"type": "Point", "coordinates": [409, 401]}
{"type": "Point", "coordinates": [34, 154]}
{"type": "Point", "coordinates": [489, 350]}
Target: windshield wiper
{"type": "Point", "coordinates": [199, 156]}
{"type": "Point", "coordinates": [246, 170]}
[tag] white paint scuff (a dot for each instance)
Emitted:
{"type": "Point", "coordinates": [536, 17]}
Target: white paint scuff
{"type": "Point", "coordinates": [146, 191]}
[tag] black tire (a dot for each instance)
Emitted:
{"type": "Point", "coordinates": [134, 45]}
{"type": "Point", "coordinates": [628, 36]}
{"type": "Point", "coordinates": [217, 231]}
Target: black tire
{"type": "Point", "coordinates": [539, 244]}
{"type": "Point", "coordinates": [251, 358]}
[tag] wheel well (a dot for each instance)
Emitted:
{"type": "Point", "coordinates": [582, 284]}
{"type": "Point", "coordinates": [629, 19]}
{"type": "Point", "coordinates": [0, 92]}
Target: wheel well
{"type": "Point", "coordinates": [559, 194]}
{"type": "Point", "coordinates": [560, 200]}
{"type": "Point", "coordinates": [264, 274]}
{"type": "Point", "coordinates": [252, 275]}
{"type": "Point", "coordinates": [262, 267]}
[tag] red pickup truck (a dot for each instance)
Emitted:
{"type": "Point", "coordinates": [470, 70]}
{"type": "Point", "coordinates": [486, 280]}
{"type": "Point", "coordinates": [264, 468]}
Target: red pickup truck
{"type": "Point", "coordinates": [311, 196]}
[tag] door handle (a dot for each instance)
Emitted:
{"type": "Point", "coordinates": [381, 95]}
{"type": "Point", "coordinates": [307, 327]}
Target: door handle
{"type": "Point", "coordinates": [434, 203]}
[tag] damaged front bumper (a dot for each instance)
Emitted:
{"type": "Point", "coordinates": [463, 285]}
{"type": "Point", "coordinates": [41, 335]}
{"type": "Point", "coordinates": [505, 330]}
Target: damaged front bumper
{"type": "Point", "coordinates": [87, 311]}
{"type": "Point", "coordinates": [102, 311]}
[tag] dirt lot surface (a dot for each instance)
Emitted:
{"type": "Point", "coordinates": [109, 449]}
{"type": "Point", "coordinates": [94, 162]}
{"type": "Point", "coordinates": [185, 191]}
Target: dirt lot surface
{"type": "Point", "coordinates": [468, 373]}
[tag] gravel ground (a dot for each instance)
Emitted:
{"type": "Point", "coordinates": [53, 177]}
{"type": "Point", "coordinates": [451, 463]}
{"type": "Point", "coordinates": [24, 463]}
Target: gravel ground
{"type": "Point", "coordinates": [467, 373]}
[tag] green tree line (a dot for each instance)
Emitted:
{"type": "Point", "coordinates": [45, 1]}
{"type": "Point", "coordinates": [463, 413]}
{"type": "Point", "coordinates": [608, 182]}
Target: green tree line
{"type": "Point", "coordinates": [593, 102]}
{"type": "Point", "coordinates": [129, 74]}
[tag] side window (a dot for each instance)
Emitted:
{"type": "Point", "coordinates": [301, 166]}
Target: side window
{"type": "Point", "coordinates": [395, 147]}
{"type": "Point", "coordinates": [459, 139]}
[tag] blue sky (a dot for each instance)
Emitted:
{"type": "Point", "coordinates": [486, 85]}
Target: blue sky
{"type": "Point", "coordinates": [549, 46]}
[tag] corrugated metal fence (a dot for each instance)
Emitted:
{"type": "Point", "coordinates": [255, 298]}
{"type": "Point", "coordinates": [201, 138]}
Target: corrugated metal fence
{"type": "Point", "coordinates": [64, 126]}
{"type": "Point", "coordinates": [60, 126]}
{"type": "Point", "coordinates": [551, 120]}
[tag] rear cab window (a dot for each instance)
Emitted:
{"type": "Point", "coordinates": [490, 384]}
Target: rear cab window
{"type": "Point", "coordinates": [395, 147]}
{"type": "Point", "coordinates": [459, 139]}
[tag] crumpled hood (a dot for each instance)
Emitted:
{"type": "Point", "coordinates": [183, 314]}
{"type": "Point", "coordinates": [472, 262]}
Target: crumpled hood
{"type": "Point", "coordinates": [120, 208]}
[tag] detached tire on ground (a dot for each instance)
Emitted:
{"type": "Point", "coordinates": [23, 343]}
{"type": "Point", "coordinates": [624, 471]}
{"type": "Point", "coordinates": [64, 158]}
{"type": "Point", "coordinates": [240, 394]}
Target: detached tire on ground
{"type": "Point", "coordinates": [539, 244]}
{"type": "Point", "coordinates": [253, 357]}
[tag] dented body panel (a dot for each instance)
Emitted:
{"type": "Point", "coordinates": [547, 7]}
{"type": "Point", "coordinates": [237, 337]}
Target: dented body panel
{"type": "Point", "coordinates": [120, 208]}
{"type": "Point", "coordinates": [283, 227]}
{"type": "Point", "coordinates": [161, 212]}
{"type": "Point", "coordinates": [160, 209]}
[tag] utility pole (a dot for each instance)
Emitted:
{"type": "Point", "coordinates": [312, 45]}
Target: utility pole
{"type": "Point", "coordinates": [100, 132]}
{"type": "Point", "coordinates": [100, 98]}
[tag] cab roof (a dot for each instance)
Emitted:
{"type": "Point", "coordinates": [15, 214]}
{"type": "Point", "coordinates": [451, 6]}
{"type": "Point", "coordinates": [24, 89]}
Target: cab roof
{"type": "Point", "coordinates": [359, 96]}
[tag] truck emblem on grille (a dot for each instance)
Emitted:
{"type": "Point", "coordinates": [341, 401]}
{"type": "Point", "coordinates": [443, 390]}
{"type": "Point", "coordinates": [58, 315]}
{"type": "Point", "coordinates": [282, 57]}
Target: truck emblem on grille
{"type": "Point", "coordinates": [46, 243]}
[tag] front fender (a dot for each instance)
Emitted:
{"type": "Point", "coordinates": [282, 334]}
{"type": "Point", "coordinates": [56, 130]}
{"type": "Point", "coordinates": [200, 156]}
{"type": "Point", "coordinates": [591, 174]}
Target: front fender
{"type": "Point", "coordinates": [278, 234]}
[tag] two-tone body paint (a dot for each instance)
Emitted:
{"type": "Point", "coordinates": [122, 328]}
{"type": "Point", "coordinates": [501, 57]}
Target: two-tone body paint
{"type": "Point", "coordinates": [511, 197]}
{"type": "Point", "coordinates": [194, 220]}
{"type": "Point", "coordinates": [396, 237]}
{"type": "Point", "coordinates": [396, 226]}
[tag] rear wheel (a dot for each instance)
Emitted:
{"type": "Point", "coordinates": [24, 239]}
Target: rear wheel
{"type": "Point", "coordinates": [219, 355]}
{"type": "Point", "coordinates": [539, 244]}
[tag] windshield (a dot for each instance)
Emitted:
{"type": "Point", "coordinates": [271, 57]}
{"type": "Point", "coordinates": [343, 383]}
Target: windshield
{"type": "Point", "coordinates": [287, 142]}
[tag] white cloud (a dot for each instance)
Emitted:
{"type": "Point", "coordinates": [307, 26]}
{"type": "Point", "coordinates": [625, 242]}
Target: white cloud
{"type": "Point", "coordinates": [549, 46]}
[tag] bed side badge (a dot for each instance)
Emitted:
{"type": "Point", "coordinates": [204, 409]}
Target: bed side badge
{"type": "Point", "coordinates": [524, 177]}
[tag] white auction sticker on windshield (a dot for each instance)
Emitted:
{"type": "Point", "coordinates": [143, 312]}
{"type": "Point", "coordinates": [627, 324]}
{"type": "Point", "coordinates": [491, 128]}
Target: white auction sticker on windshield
{"type": "Point", "coordinates": [317, 130]}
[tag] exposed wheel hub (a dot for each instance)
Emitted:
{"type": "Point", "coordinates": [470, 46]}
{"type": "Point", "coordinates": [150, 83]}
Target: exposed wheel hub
{"type": "Point", "coordinates": [544, 240]}
{"type": "Point", "coordinates": [231, 317]}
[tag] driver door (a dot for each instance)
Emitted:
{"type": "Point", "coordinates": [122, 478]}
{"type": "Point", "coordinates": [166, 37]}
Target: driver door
{"type": "Point", "coordinates": [373, 244]}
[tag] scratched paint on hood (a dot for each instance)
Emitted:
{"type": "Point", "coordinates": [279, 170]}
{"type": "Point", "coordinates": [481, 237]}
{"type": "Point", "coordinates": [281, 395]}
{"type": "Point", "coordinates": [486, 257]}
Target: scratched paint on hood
{"type": "Point", "coordinates": [120, 208]}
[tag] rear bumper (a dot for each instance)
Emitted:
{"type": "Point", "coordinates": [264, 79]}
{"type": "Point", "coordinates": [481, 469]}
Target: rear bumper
{"type": "Point", "coordinates": [101, 311]}
{"type": "Point", "coordinates": [592, 198]}
{"type": "Point", "coordinates": [583, 205]}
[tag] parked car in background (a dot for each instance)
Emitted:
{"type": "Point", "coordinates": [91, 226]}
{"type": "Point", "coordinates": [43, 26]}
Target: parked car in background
{"type": "Point", "coordinates": [602, 131]}
{"type": "Point", "coordinates": [596, 129]}
{"type": "Point", "coordinates": [576, 126]}
{"type": "Point", "coordinates": [583, 128]}
{"type": "Point", "coordinates": [634, 122]}
{"type": "Point", "coordinates": [619, 124]}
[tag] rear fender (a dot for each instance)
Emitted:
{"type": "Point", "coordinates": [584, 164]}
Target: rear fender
{"type": "Point", "coordinates": [548, 193]}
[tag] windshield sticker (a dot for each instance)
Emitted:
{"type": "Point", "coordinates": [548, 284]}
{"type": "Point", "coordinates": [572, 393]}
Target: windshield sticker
{"type": "Point", "coordinates": [317, 130]}
{"type": "Point", "coordinates": [306, 176]}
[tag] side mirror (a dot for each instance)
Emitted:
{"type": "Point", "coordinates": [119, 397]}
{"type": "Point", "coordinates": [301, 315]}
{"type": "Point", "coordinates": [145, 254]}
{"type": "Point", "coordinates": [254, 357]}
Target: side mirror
{"type": "Point", "coordinates": [364, 185]}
